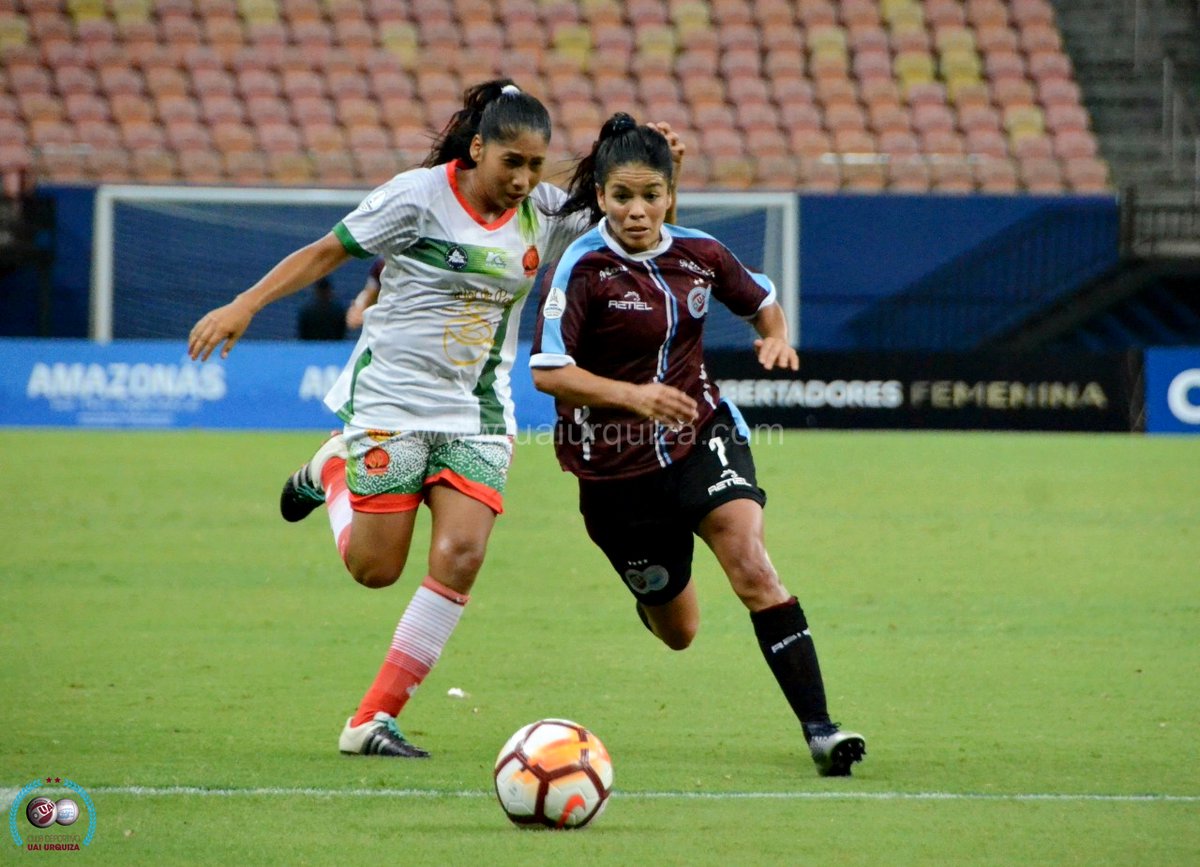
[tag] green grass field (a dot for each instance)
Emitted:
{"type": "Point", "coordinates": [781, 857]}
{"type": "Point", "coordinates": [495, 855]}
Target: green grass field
{"type": "Point", "coordinates": [1012, 620]}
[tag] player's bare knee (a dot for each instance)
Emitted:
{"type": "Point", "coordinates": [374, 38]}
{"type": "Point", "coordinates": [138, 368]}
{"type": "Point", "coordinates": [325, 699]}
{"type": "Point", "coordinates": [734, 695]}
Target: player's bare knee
{"type": "Point", "coordinates": [757, 584]}
{"type": "Point", "coordinates": [458, 560]}
{"type": "Point", "coordinates": [679, 640]}
{"type": "Point", "coordinates": [373, 574]}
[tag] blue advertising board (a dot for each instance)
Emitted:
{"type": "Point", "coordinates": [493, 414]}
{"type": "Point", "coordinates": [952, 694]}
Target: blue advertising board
{"type": "Point", "coordinates": [153, 384]}
{"type": "Point", "coordinates": [1173, 391]}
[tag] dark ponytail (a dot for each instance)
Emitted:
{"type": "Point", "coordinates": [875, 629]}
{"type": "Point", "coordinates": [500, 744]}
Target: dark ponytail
{"type": "Point", "coordinates": [494, 110]}
{"type": "Point", "coordinates": [621, 142]}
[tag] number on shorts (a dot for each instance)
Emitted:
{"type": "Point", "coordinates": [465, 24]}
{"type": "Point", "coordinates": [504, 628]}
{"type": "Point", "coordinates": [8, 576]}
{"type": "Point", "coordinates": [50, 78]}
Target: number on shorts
{"type": "Point", "coordinates": [716, 444]}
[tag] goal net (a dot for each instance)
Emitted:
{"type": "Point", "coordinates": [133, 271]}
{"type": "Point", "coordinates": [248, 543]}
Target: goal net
{"type": "Point", "coordinates": [162, 256]}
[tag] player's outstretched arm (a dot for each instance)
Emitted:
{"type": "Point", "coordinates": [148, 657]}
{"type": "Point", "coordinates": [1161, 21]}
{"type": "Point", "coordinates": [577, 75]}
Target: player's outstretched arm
{"type": "Point", "coordinates": [652, 400]}
{"type": "Point", "coordinates": [226, 324]}
{"type": "Point", "coordinates": [772, 347]}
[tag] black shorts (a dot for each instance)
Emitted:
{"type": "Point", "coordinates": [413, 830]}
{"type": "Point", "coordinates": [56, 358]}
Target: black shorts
{"type": "Point", "coordinates": [645, 524]}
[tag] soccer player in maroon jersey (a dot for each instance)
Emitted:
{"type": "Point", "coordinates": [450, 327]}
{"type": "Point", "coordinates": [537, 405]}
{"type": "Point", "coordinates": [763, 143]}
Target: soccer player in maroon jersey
{"type": "Point", "coordinates": [659, 455]}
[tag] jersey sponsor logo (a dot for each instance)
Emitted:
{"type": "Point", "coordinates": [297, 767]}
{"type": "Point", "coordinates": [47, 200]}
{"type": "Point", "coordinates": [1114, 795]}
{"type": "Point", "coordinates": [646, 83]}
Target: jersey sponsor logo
{"type": "Point", "coordinates": [609, 273]}
{"type": "Point", "coordinates": [647, 580]}
{"type": "Point", "coordinates": [473, 294]}
{"type": "Point", "coordinates": [495, 259]}
{"type": "Point", "coordinates": [556, 304]}
{"type": "Point", "coordinates": [376, 461]}
{"type": "Point", "coordinates": [631, 301]}
{"type": "Point", "coordinates": [456, 257]}
{"type": "Point", "coordinates": [689, 265]}
{"type": "Point", "coordinates": [697, 301]}
{"type": "Point", "coordinates": [468, 336]}
{"type": "Point", "coordinates": [531, 260]}
{"type": "Point", "coordinates": [729, 479]}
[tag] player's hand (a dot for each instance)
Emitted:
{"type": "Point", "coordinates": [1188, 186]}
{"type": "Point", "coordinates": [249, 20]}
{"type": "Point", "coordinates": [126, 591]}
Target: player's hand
{"type": "Point", "coordinates": [678, 148]}
{"type": "Point", "coordinates": [773, 352]}
{"type": "Point", "coordinates": [664, 404]}
{"type": "Point", "coordinates": [223, 325]}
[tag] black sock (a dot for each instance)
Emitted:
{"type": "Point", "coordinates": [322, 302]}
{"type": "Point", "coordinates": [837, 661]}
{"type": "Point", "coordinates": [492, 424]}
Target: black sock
{"type": "Point", "coordinates": [783, 636]}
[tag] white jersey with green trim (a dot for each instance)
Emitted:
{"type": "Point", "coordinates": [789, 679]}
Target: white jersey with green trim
{"type": "Point", "coordinates": [437, 348]}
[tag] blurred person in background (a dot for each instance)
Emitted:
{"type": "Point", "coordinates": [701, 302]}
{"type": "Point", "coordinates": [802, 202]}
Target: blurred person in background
{"type": "Point", "coordinates": [322, 317]}
{"type": "Point", "coordinates": [366, 296]}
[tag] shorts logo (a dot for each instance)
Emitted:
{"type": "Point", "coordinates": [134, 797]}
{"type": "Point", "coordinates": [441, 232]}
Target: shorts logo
{"type": "Point", "coordinates": [697, 301]}
{"type": "Point", "coordinates": [530, 261]}
{"type": "Point", "coordinates": [456, 257]}
{"type": "Point", "coordinates": [376, 461]}
{"type": "Point", "coordinates": [556, 304]}
{"type": "Point", "coordinates": [647, 580]}
{"type": "Point", "coordinates": [729, 479]}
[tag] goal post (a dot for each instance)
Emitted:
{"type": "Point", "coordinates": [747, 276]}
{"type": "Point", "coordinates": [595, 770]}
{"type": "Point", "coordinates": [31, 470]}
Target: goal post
{"type": "Point", "coordinates": [162, 255]}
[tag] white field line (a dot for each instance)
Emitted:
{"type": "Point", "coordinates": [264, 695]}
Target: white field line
{"type": "Point", "coordinates": [195, 791]}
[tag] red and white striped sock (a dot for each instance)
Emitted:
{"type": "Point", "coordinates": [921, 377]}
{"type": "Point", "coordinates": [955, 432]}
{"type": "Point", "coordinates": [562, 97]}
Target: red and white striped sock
{"type": "Point", "coordinates": [337, 502]}
{"type": "Point", "coordinates": [420, 636]}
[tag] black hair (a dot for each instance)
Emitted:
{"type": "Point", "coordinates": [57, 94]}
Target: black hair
{"type": "Point", "coordinates": [494, 110]}
{"type": "Point", "coordinates": [621, 142]}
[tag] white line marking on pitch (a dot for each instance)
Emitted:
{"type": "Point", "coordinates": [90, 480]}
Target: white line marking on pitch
{"type": "Point", "coordinates": [188, 791]}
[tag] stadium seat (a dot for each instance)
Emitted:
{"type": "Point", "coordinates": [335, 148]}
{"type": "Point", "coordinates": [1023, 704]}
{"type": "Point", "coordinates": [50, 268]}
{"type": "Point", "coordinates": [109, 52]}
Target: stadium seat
{"type": "Point", "coordinates": [1071, 144]}
{"type": "Point", "coordinates": [952, 175]}
{"type": "Point", "coordinates": [867, 176]}
{"type": "Point", "coordinates": [820, 175]}
{"type": "Point", "coordinates": [335, 169]}
{"type": "Point", "coordinates": [908, 176]}
{"type": "Point", "coordinates": [942, 142]}
{"type": "Point", "coordinates": [732, 172]}
{"type": "Point", "coordinates": [155, 166]}
{"type": "Point", "coordinates": [201, 167]}
{"type": "Point", "coordinates": [997, 176]}
{"type": "Point", "coordinates": [899, 143]}
{"type": "Point", "coordinates": [986, 143]}
{"type": "Point", "coordinates": [1041, 175]}
{"type": "Point", "coordinates": [995, 37]}
{"type": "Point", "coordinates": [1033, 147]}
{"type": "Point", "coordinates": [777, 172]}
{"type": "Point", "coordinates": [1087, 175]}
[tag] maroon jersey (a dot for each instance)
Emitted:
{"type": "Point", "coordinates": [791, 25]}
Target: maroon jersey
{"type": "Point", "coordinates": [637, 318]}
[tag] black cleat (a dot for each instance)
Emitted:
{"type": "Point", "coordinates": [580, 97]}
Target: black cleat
{"type": "Point", "coordinates": [834, 751]}
{"type": "Point", "coordinates": [378, 737]}
{"type": "Point", "coordinates": [303, 492]}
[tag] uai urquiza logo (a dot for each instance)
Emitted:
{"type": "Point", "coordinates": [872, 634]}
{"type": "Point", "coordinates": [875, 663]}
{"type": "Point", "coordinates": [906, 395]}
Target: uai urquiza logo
{"type": "Point", "coordinates": [51, 808]}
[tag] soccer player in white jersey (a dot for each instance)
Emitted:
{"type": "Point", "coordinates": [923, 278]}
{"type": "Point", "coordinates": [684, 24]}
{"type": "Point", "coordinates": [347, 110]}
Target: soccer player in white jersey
{"type": "Point", "coordinates": [660, 456]}
{"type": "Point", "coordinates": [425, 395]}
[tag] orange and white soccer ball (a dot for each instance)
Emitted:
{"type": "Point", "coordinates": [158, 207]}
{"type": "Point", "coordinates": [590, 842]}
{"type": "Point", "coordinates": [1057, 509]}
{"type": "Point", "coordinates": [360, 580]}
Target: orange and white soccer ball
{"type": "Point", "coordinates": [553, 773]}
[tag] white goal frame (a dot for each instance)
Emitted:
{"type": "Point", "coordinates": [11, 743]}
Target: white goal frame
{"type": "Point", "coordinates": [781, 244]}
